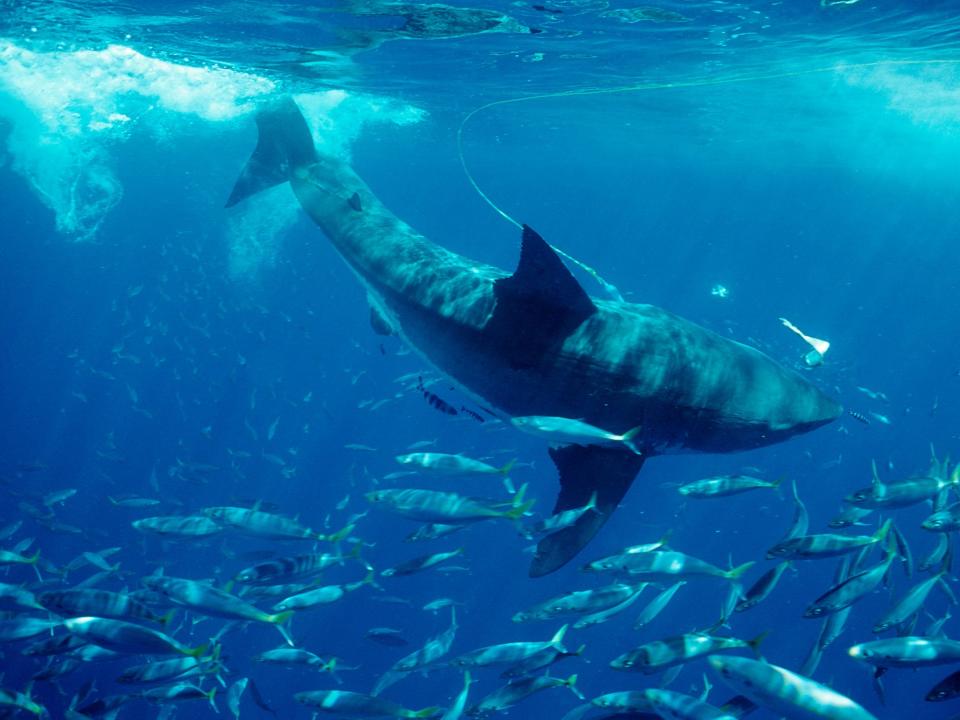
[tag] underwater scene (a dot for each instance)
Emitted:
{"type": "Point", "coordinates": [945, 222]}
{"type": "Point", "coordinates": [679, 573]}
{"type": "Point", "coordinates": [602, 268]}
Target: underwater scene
{"type": "Point", "coordinates": [574, 360]}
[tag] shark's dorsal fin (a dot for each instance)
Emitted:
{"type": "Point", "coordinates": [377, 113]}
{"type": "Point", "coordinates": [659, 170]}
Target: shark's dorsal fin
{"type": "Point", "coordinates": [537, 306]}
{"type": "Point", "coordinates": [584, 470]}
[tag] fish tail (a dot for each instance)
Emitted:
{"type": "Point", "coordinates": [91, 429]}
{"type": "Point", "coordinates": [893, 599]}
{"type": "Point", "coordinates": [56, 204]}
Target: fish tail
{"type": "Point", "coordinates": [215, 653]}
{"type": "Point", "coordinates": [571, 682]}
{"type": "Point", "coordinates": [519, 511]}
{"type": "Point", "coordinates": [353, 554]}
{"type": "Point", "coordinates": [665, 538]}
{"type": "Point", "coordinates": [211, 697]}
{"type": "Point", "coordinates": [371, 578]}
{"type": "Point", "coordinates": [630, 436]}
{"type": "Point", "coordinates": [518, 498]}
{"type": "Point", "coordinates": [519, 506]}
{"type": "Point", "coordinates": [505, 470]}
{"type": "Point", "coordinates": [165, 620]}
{"type": "Point", "coordinates": [284, 630]}
{"type": "Point", "coordinates": [426, 712]}
{"type": "Point", "coordinates": [196, 652]}
{"type": "Point", "coordinates": [881, 534]}
{"type": "Point", "coordinates": [32, 560]}
{"type": "Point", "coordinates": [284, 145]}
{"type": "Point", "coordinates": [279, 618]}
{"type": "Point", "coordinates": [338, 536]}
{"type": "Point", "coordinates": [755, 642]}
{"type": "Point", "coordinates": [735, 573]}
{"type": "Point", "coordinates": [592, 502]}
{"type": "Point", "coordinates": [557, 639]}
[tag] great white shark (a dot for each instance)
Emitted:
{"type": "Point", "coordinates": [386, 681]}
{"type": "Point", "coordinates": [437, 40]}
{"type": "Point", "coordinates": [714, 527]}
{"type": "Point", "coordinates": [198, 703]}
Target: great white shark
{"type": "Point", "coordinates": [535, 343]}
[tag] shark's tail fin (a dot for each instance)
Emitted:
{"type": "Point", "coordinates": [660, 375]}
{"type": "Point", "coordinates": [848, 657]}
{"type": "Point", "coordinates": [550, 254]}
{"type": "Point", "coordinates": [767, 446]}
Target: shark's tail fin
{"type": "Point", "coordinates": [284, 144]}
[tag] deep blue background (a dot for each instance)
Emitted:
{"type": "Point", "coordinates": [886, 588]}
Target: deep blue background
{"type": "Point", "coordinates": [828, 202]}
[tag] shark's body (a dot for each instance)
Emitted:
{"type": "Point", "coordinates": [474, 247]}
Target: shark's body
{"type": "Point", "coordinates": [534, 343]}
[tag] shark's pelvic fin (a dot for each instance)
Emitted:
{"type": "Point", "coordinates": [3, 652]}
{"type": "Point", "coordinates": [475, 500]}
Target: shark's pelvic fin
{"type": "Point", "coordinates": [284, 143]}
{"type": "Point", "coordinates": [537, 306]}
{"type": "Point", "coordinates": [584, 470]}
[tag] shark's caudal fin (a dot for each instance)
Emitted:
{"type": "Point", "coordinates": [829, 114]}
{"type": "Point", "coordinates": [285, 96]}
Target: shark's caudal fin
{"type": "Point", "coordinates": [537, 306]}
{"type": "Point", "coordinates": [608, 472]}
{"type": "Point", "coordinates": [284, 143]}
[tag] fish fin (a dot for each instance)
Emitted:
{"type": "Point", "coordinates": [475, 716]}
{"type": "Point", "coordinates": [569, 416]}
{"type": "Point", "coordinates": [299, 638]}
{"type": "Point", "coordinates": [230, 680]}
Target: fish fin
{"type": "Point", "coordinates": [947, 590]}
{"type": "Point", "coordinates": [571, 682]}
{"type": "Point", "coordinates": [592, 502]}
{"type": "Point", "coordinates": [881, 533]}
{"type": "Point", "coordinates": [734, 573]}
{"type": "Point", "coordinates": [537, 307]}
{"type": "Point", "coordinates": [280, 617]}
{"type": "Point", "coordinates": [197, 652]}
{"type": "Point", "coordinates": [427, 712]}
{"type": "Point", "coordinates": [370, 578]}
{"type": "Point", "coordinates": [665, 538]}
{"type": "Point", "coordinates": [211, 697]}
{"type": "Point", "coordinates": [755, 642]}
{"type": "Point", "coordinates": [284, 143]}
{"type": "Point", "coordinates": [629, 437]}
{"type": "Point", "coordinates": [339, 535]}
{"type": "Point", "coordinates": [519, 507]}
{"type": "Point", "coordinates": [670, 674]}
{"type": "Point", "coordinates": [584, 470]}
{"type": "Point", "coordinates": [557, 639]}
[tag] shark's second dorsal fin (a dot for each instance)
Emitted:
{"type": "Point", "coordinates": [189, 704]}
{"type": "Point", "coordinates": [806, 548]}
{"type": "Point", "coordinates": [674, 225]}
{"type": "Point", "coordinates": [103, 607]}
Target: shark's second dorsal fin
{"type": "Point", "coordinates": [537, 306]}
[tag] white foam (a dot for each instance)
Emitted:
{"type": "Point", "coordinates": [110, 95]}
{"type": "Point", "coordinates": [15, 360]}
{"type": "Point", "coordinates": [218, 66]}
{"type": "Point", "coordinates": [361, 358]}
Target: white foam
{"type": "Point", "coordinates": [255, 230]}
{"type": "Point", "coordinates": [336, 117]}
{"type": "Point", "coordinates": [929, 93]}
{"type": "Point", "coordinates": [72, 92]}
{"type": "Point", "coordinates": [70, 110]}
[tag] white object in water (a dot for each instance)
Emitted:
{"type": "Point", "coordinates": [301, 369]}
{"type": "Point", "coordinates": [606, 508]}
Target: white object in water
{"type": "Point", "coordinates": [819, 346]}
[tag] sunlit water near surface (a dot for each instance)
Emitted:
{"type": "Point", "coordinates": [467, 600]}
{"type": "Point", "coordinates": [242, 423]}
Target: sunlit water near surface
{"type": "Point", "coordinates": [734, 163]}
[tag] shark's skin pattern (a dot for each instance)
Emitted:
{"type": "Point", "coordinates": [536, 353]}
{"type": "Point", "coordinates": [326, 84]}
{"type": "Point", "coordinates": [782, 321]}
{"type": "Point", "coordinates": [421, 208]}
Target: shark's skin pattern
{"type": "Point", "coordinates": [626, 365]}
{"type": "Point", "coordinates": [533, 343]}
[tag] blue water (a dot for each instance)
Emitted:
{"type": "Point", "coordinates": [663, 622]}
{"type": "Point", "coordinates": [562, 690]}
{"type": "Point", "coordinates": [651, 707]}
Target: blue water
{"type": "Point", "coordinates": [801, 156]}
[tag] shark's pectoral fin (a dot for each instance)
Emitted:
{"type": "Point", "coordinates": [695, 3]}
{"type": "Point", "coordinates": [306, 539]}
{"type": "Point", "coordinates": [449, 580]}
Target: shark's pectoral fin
{"type": "Point", "coordinates": [379, 323]}
{"type": "Point", "coordinates": [608, 472]}
{"type": "Point", "coordinates": [537, 306]}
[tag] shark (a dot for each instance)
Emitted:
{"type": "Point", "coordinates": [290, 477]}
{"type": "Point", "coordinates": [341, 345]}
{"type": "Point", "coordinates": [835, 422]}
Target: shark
{"type": "Point", "coordinates": [534, 343]}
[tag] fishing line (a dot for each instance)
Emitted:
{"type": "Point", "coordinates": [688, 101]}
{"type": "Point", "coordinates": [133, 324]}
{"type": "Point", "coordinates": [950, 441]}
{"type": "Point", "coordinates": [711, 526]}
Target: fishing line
{"type": "Point", "coordinates": [696, 83]}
